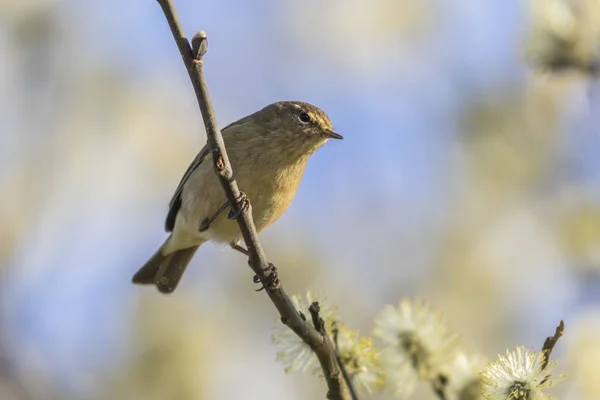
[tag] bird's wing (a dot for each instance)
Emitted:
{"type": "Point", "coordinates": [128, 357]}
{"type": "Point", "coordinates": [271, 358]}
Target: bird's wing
{"type": "Point", "coordinates": [175, 202]}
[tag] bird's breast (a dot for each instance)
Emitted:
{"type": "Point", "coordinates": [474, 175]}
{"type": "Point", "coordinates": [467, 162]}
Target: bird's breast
{"type": "Point", "coordinates": [270, 191]}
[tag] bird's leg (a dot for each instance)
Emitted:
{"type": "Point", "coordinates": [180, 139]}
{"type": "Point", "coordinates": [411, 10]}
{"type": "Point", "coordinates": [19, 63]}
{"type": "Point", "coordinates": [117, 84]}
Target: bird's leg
{"type": "Point", "coordinates": [273, 278]}
{"type": "Point", "coordinates": [236, 246]}
{"type": "Point", "coordinates": [205, 223]}
{"type": "Point", "coordinates": [243, 203]}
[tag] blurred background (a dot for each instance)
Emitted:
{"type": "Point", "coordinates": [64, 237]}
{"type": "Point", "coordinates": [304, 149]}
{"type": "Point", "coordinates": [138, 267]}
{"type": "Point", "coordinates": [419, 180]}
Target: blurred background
{"type": "Point", "coordinates": [467, 179]}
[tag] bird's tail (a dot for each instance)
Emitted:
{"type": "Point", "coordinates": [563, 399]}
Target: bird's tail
{"type": "Point", "coordinates": [165, 270]}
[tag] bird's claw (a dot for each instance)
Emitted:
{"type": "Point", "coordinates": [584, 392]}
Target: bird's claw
{"type": "Point", "coordinates": [273, 278]}
{"type": "Point", "coordinates": [242, 203]}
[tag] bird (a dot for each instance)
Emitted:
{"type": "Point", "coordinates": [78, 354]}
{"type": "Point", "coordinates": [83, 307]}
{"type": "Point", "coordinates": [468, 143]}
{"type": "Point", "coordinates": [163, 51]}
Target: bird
{"type": "Point", "coordinates": [268, 151]}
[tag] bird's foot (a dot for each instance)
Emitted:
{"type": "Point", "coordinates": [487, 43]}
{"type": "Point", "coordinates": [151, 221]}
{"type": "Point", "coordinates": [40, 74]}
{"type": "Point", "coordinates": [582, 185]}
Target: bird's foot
{"type": "Point", "coordinates": [273, 280]}
{"type": "Point", "coordinates": [242, 204]}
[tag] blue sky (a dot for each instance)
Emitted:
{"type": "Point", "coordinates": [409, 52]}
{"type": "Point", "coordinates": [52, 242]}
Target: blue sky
{"type": "Point", "coordinates": [397, 101]}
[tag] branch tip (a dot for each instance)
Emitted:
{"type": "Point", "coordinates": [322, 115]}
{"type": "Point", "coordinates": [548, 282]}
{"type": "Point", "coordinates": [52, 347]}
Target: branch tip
{"type": "Point", "coordinates": [199, 45]}
{"type": "Point", "coordinates": [550, 343]}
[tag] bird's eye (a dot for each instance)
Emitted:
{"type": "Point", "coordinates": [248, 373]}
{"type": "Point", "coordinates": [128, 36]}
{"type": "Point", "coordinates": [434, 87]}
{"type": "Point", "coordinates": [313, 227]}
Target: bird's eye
{"type": "Point", "coordinates": [304, 117]}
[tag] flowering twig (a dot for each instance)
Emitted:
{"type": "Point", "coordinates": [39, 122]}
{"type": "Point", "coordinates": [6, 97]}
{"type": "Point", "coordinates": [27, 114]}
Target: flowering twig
{"type": "Point", "coordinates": [522, 374]}
{"type": "Point", "coordinates": [345, 373]}
{"type": "Point", "coordinates": [319, 343]}
{"type": "Point", "coordinates": [550, 342]}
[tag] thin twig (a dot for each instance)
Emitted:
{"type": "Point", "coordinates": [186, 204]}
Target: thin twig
{"type": "Point", "coordinates": [550, 342]}
{"type": "Point", "coordinates": [345, 372]}
{"type": "Point", "coordinates": [322, 347]}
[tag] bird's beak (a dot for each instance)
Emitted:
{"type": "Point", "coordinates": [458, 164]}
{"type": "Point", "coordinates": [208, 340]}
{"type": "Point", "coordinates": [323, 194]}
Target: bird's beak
{"type": "Point", "coordinates": [329, 134]}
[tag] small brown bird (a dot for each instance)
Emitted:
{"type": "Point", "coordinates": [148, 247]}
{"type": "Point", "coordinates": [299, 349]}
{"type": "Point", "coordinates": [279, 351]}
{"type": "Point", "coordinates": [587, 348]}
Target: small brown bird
{"type": "Point", "coordinates": [268, 151]}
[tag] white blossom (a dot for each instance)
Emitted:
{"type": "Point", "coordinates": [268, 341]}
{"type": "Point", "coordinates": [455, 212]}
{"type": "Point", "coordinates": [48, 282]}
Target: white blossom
{"type": "Point", "coordinates": [415, 344]}
{"type": "Point", "coordinates": [518, 376]}
{"type": "Point", "coordinates": [361, 360]}
{"type": "Point", "coordinates": [464, 377]}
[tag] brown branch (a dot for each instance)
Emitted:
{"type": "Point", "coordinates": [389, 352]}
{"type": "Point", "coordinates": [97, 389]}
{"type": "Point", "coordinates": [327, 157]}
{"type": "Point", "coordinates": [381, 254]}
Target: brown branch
{"type": "Point", "coordinates": [322, 347]}
{"type": "Point", "coordinates": [550, 342]}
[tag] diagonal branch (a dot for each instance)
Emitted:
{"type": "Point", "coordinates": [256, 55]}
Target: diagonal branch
{"type": "Point", "coordinates": [319, 343]}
